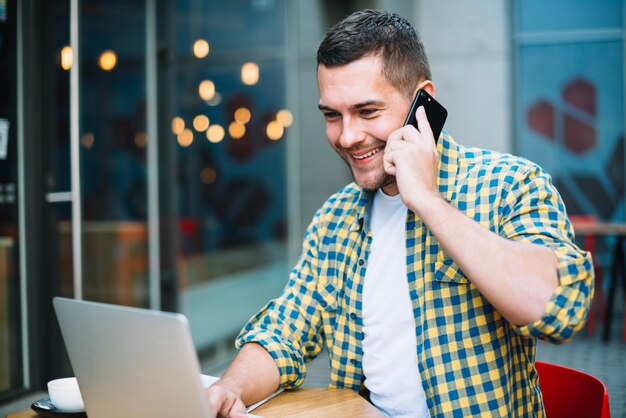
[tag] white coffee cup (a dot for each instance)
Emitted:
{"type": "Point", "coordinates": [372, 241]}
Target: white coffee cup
{"type": "Point", "coordinates": [65, 395]}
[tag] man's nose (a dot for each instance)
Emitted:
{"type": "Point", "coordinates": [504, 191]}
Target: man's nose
{"type": "Point", "coordinates": [351, 133]}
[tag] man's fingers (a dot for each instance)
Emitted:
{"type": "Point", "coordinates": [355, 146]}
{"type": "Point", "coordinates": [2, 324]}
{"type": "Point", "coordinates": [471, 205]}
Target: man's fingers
{"type": "Point", "coordinates": [395, 139]}
{"type": "Point", "coordinates": [422, 122]}
{"type": "Point", "coordinates": [388, 164]}
{"type": "Point", "coordinates": [217, 399]}
{"type": "Point", "coordinates": [225, 404]}
{"type": "Point", "coordinates": [238, 409]}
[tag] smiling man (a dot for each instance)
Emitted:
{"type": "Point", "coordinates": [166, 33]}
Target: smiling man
{"type": "Point", "coordinates": [428, 279]}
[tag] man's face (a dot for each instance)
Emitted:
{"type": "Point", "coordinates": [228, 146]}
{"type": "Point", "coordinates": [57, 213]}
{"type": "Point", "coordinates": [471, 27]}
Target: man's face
{"type": "Point", "coordinates": [361, 109]}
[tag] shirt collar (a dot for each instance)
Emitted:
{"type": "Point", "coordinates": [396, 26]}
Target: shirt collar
{"type": "Point", "coordinates": [362, 210]}
{"type": "Point", "coordinates": [448, 166]}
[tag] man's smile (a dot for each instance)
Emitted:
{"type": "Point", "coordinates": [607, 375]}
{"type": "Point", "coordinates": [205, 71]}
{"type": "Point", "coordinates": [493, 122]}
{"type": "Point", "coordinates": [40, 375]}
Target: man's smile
{"type": "Point", "coordinates": [367, 154]}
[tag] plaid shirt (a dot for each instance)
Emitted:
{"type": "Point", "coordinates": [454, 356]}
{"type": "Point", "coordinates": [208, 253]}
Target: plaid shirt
{"type": "Point", "coordinates": [472, 361]}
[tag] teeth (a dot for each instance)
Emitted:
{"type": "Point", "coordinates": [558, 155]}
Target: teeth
{"type": "Point", "coordinates": [369, 154]}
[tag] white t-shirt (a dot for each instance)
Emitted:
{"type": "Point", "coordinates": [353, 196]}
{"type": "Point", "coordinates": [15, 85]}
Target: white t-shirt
{"type": "Point", "coordinates": [389, 344]}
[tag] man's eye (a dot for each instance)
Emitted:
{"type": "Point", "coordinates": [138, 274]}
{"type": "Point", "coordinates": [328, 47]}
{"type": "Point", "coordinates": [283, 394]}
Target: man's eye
{"type": "Point", "coordinates": [367, 112]}
{"type": "Point", "coordinates": [331, 115]}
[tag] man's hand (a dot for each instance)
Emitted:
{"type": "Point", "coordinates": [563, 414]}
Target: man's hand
{"type": "Point", "coordinates": [252, 376]}
{"type": "Point", "coordinates": [224, 403]}
{"type": "Point", "coordinates": [411, 156]}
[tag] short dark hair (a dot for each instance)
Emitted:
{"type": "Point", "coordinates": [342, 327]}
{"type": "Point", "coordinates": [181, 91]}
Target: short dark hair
{"type": "Point", "coordinates": [377, 32]}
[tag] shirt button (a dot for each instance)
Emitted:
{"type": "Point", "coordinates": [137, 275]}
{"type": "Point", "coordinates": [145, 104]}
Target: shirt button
{"type": "Point", "coordinates": [353, 316]}
{"type": "Point", "coordinates": [323, 303]}
{"type": "Point", "coordinates": [353, 361]}
{"type": "Point", "coordinates": [361, 261]}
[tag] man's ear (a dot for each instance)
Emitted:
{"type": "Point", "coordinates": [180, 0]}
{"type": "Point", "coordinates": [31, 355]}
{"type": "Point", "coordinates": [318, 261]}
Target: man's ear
{"type": "Point", "coordinates": [426, 85]}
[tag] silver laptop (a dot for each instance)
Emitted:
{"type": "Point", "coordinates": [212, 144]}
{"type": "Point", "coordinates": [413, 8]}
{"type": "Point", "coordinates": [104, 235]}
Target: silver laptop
{"type": "Point", "coordinates": [132, 362]}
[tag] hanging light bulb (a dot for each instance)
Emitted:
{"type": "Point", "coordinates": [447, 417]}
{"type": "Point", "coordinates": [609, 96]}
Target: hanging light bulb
{"type": "Point", "coordinates": [236, 130]}
{"type": "Point", "coordinates": [200, 123]}
{"type": "Point", "coordinates": [107, 60]}
{"type": "Point", "coordinates": [185, 139]}
{"type": "Point", "coordinates": [66, 58]}
{"type": "Point", "coordinates": [242, 115]}
{"type": "Point", "coordinates": [250, 73]}
{"type": "Point", "coordinates": [274, 130]}
{"type": "Point", "coordinates": [178, 124]}
{"type": "Point", "coordinates": [206, 89]}
{"type": "Point", "coordinates": [215, 133]}
{"type": "Point", "coordinates": [201, 48]}
{"type": "Point", "coordinates": [284, 117]}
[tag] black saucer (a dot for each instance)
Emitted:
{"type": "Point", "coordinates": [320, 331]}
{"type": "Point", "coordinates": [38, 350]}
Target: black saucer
{"type": "Point", "coordinates": [45, 408]}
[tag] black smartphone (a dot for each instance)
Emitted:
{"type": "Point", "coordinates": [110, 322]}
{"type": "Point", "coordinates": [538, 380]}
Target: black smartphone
{"type": "Point", "coordinates": [435, 112]}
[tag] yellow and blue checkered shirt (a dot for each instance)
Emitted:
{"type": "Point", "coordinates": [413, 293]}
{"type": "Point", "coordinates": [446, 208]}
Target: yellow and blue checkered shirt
{"type": "Point", "coordinates": [472, 361]}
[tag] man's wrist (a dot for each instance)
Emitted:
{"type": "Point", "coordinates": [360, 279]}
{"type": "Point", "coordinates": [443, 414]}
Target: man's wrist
{"type": "Point", "coordinates": [230, 386]}
{"type": "Point", "coordinates": [427, 205]}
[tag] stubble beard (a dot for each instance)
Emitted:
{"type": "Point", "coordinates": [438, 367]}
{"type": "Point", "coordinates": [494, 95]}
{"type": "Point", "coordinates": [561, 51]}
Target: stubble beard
{"type": "Point", "coordinates": [369, 183]}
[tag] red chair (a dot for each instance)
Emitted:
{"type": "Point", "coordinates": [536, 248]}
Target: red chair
{"type": "Point", "coordinates": [571, 393]}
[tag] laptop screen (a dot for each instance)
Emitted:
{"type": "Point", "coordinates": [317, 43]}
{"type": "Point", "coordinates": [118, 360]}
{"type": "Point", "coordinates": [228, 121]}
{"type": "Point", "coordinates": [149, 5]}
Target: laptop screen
{"type": "Point", "coordinates": [132, 362]}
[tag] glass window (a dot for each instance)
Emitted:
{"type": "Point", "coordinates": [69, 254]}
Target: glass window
{"type": "Point", "coordinates": [113, 151]}
{"type": "Point", "coordinates": [222, 131]}
{"type": "Point", "coordinates": [223, 80]}
{"type": "Point", "coordinates": [569, 101]}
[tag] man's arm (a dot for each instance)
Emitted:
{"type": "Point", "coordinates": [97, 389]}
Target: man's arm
{"type": "Point", "coordinates": [517, 278]}
{"type": "Point", "coordinates": [252, 376]}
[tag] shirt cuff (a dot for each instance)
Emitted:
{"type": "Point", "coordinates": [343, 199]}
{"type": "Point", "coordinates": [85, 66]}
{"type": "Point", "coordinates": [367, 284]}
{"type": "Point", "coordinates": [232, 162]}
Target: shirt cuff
{"type": "Point", "coordinates": [291, 366]}
{"type": "Point", "coordinates": [566, 311]}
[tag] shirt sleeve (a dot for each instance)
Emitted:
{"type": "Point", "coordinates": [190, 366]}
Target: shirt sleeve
{"type": "Point", "coordinates": [288, 327]}
{"type": "Point", "coordinates": [533, 211]}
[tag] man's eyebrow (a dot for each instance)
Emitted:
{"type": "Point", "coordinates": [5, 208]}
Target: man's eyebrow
{"type": "Point", "coordinates": [356, 106]}
{"type": "Point", "coordinates": [325, 108]}
{"type": "Point", "coordinates": [367, 103]}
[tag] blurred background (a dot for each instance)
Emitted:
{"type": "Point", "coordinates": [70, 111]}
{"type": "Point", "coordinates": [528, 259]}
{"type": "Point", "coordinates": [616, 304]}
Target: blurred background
{"type": "Point", "coordinates": [170, 154]}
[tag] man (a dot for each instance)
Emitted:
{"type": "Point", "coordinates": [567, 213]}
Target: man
{"type": "Point", "coordinates": [430, 278]}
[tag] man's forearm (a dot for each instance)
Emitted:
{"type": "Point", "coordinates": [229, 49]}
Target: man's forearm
{"type": "Point", "coordinates": [253, 375]}
{"type": "Point", "coordinates": [517, 278]}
